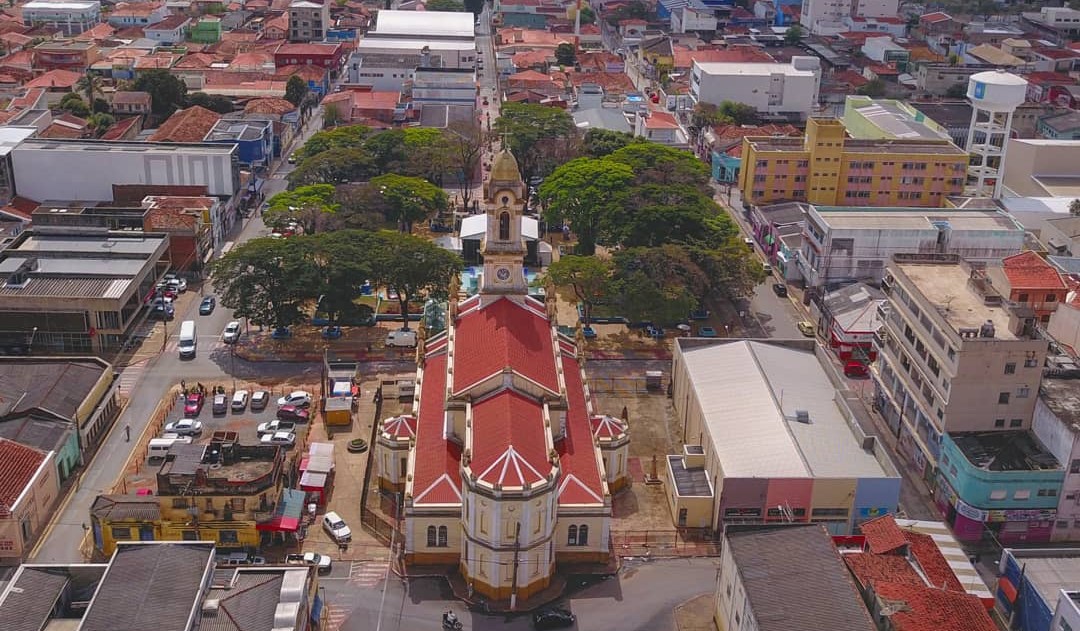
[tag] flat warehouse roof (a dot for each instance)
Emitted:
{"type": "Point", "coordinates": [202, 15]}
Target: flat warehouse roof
{"type": "Point", "coordinates": [749, 394]}
{"type": "Point", "coordinates": [78, 247]}
{"type": "Point", "coordinates": [757, 69]}
{"type": "Point", "coordinates": [41, 144]}
{"type": "Point", "coordinates": [68, 4]}
{"type": "Point", "coordinates": [412, 44]}
{"type": "Point", "coordinates": [420, 23]}
{"type": "Point", "coordinates": [857, 218]}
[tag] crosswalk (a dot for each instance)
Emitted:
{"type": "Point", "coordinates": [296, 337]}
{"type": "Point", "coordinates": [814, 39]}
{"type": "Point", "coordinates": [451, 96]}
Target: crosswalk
{"type": "Point", "coordinates": [207, 343]}
{"type": "Point", "coordinates": [130, 375]}
{"type": "Point", "coordinates": [368, 573]}
{"type": "Point", "coordinates": [335, 617]}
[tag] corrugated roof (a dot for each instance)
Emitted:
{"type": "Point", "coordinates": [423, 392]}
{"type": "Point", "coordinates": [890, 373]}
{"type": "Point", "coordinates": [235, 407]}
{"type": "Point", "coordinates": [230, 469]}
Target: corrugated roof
{"type": "Point", "coordinates": [126, 507]}
{"type": "Point", "coordinates": [150, 586]}
{"type": "Point", "coordinates": [794, 579]}
{"type": "Point", "coordinates": [58, 386]}
{"type": "Point", "coordinates": [28, 605]}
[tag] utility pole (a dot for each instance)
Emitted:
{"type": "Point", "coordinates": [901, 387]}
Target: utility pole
{"type": "Point", "coordinates": [514, 578]}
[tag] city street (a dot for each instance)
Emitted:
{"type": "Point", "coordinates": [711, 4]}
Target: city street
{"type": "Point", "coordinates": [156, 370]}
{"type": "Point", "coordinates": [641, 597]}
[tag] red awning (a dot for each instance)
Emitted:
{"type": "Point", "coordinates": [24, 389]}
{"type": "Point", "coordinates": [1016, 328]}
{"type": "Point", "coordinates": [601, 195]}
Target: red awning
{"type": "Point", "coordinates": [286, 517]}
{"type": "Point", "coordinates": [1008, 590]}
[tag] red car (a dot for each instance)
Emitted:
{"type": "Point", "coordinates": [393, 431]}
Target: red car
{"type": "Point", "coordinates": [292, 413]}
{"type": "Point", "coordinates": [193, 404]}
{"type": "Point", "coordinates": [856, 370]}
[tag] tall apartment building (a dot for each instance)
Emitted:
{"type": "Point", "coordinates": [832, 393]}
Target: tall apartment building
{"type": "Point", "coordinates": [957, 378]}
{"type": "Point", "coordinates": [308, 21]}
{"type": "Point", "coordinates": [72, 17]}
{"type": "Point", "coordinates": [826, 17]}
{"type": "Point", "coordinates": [828, 168]}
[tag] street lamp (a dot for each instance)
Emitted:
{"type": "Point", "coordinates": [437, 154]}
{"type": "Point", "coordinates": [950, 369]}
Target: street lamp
{"type": "Point", "coordinates": [30, 344]}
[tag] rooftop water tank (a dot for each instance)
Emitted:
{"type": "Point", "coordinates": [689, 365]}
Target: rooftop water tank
{"type": "Point", "coordinates": [996, 91]}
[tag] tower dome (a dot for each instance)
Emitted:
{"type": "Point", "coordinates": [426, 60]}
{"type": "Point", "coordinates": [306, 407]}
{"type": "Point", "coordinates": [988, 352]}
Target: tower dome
{"type": "Point", "coordinates": [505, 167]}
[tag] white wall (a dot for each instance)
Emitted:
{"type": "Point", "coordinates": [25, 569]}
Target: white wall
{"type": "Point", "coordinates": [797, 90]}
{"type": "Point", "coordinates": [1066, 615]}
{"type": "Point", "coordinates": [731, 598]}
{"type": "Point", "coordinates": [1060, 440]}
{"type": "Point", "coordinates": [1065, 325]}
{"type": "Point", "coordinates": [70, 172]}
{"type": "Point", "coordinates": [876, 8]}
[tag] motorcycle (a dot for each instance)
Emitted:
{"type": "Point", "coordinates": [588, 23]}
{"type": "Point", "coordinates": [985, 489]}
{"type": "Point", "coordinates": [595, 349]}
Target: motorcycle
{"type": "Point", "coordinates": [451, 623]}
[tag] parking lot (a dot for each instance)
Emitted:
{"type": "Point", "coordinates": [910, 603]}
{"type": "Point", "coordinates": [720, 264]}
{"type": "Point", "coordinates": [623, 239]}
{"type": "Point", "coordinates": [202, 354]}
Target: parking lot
{"type": "Point", "coordinates": [244, 422]}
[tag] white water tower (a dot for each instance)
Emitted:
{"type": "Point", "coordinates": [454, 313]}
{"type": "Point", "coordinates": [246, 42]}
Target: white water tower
{"type": "Point", "coordinates": [994, 96]}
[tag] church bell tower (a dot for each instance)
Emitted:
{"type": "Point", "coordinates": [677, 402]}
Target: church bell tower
{"type": "Point", "coordinates": [503, 248]}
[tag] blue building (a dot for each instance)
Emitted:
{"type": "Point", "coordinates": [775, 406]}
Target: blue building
{"type": "Point", "coordinates": [1004, 481]}
{"type": "Point", "coordinates": [725, 167]}
{"type": "Point", "coordinates": [341, 34]}
{"type": "Point", "coordinates": [254, 139]}
{"type": "Point", "coordinates": [1037, 588]}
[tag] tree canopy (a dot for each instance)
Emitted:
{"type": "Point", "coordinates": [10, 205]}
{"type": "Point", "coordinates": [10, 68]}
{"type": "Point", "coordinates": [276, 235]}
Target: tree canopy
{"type": "Point", "coordinates": [565, 54]}
{"type": "Point", "coordinates": [586, 276]}
{"type": "Point", "coordinates": [347, 137]}
{"type": "Point", "coordinates": [308, 205]}
{"type": "Point", "coordinates": [296, 89]}
{"type": "Point", "coordinates": [265, 280]}
{"type": "Point", "coordinates": [167, 92]}
{"type": "Point", "coordinates": [533, 132]}
{"type": "Point", "coordinates": [413, 267]}
{"type": "Point", "coordinates": [407, 200]}
{"type": "Point", "coordinates": [601, 142]}
{"type": "Point", "coordinates": [445, 5]}
{"type": "Point", "coordinates": [214, 103]}
{"type": "Point", "coordinates": [583, 192]}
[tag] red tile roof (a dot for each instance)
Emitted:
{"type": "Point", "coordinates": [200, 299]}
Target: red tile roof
{"type": "Point", "coordinates": [403, 426]}
{"type": "Point", "coordinates": [927, 609]}
{"type": "Point", "coordinates": [685, 58]}
{"type": "Point", "coordinates": [1028, 270]}
{"type": "Point", "coordinates": [56, 79]}
{"type": "Point", "coordinates": [269, 106]}
{"type": "Point", "coordinates": [308, 49]}
{"type": "Point", "coordinates": [120, 128]}
{"type": "Point", "coordinates": [436, 472]}
{"type": "Point", "coordinates": [509, 446]}
{"type": "Point", "coordinates": [871, 569]}
{"type": "Point", "coordinates": [1059, 78]}
{"type": "Point", "coordinates": [504, 334]}
{"type": "Point", "coordinates": [936, 16]}
{"type": "Point", "coordinates": [581, 482]}
{"type": "Point", "coordinates": [934, 564]}
{"type": "Point", "coordinates": [661, 120]}
{"type": "Point", "coordinates": [849, 77]}
{"type": "Point", "coordinates": [18, 464]}
{"type": "Point", "coordinates": [607, 426]}
{"type": "Point", "coordinates": [1056, 53]}
{"type": "Point", "coordinates": [883, 535]}
{"type": "Point", "coordinates": [168, 24]}
{"type": "Point", "coordinates": [188, 125]}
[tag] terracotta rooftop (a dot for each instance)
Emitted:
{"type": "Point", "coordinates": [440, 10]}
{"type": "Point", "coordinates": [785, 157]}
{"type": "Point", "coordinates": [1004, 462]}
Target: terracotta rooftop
{"type": "Point", "coordinates": [131, 98]}
{"type": "Point", "coordinates": [935, 17]}
{"type": "Point", "coordinates": [883, 535]}
{"type": "Point", "coordinates": [120, 127]}
{"type": "Point", "coordinates": [187, 125]}
{"type": "Point", "coordinates": [513, 452]}
{"type": "Point", "coordinates": [198, 60]}
{"type": "Point", "coordinates": [504, 335]}
{"type": "Point", "coordinates": [135, 8]}
{"type": "Point", "coordinates": [308, 49]}
{"type": "Point", "coordinates": [273, 106]}
{"type": "Point", "coordinates": [661, 120]}
{"type": "Point", "coordinates": [306, 72]}
{"type": "Point", "coordinates": [1056, 53]}
{"type": "Point", "coordinates": [926, 609]}
{"type": "Point", "coordinates": [870, 569]}
{"type": "Point", "coordinates": [685, 58]}
{"type": "Point", "coordinates": [58, 78]}
{"type": "Point", "coordinates": [1059, 78]}
{"type": "Point", "coordinates": [18, 464]}
{"type": "Point", "coordinates": [1028, 270]}
{"type": "Point", "coordinates": [437, 474]}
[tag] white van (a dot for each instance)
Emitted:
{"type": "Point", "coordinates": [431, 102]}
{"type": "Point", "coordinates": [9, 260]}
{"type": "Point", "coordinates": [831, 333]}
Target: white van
{"type": "Point", "coordinates": [403, 338]}
{"type": "Point", "coordinates": [159, 447]}
{"type": "Point", "coordinates": [189, 342]}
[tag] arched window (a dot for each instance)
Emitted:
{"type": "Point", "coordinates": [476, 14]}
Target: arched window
{"type": "Point", "coordinates": [583, 535]}
{"type": "Point", "coordinates": [571, 536]}
{"type": "Point", "coordinates": [442, 537]}
{"type": "Point", "coordinates": [431, 536]}
{"type": "Point", "coordinates": [504, 227]}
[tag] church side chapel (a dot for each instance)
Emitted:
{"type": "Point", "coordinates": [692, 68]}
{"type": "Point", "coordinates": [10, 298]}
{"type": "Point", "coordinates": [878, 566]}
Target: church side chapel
{"type": "Point", "coordinates": [505, 467]}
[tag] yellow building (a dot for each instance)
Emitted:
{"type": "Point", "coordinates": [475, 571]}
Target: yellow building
{"type": "Point", "coordinates": [222, 492]}
{"type": "Point", "coordinates": [828, 168]}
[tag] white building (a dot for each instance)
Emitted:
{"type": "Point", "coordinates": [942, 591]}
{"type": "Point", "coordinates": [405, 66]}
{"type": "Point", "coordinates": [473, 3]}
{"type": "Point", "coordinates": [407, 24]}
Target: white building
{"type": "Point", "coordinates": [444, 86]}
{"type": "Point", "coordinates": [827, 17]}
{"type": "Point", "coordinates": [402, 41]}
{"type": "Point", "coordinates": [845, 243]}
{"type": "Point", "coordinates": [1056, 422]}
{"type": "Point", "coordinates": [771, 88]}
{"type": "Point", "coordinates": [692, 16]}
{"type": "Point", "coordinates": [87, 170]}
{"type": "Point", "coordinates": [170, 31]}
{"type": "Point", "coordinates": [71, 16]}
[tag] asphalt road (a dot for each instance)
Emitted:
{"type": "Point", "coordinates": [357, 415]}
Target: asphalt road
{"type": "Point", "coordinates": [641, 597]}
{"type": "Point", "coordinates": [152, 378]}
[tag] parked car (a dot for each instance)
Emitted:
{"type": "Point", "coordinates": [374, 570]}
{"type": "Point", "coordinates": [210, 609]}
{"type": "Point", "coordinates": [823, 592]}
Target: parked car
{"type": "Point", "coordinates": [706, 331]}
{"type": "Point", "coordinates": [220, 404]}
{"type": "Point", "coordinates": [285, 439]}
{"type": "Point", "coordinates": [765, 267]}
{"type": "Point", "coordinates": [259, 399]}
{"type": "Point", "coordinates": [184, 427]}
{"type": "Point", "coordinates": [335, 526]}
{"type": "Point", "coordinates": [654, 331]}
{"type": "Point", "coordinates": [298, 398]}
{"type": "Point", "coordinates": [749, 243]}
{"type": "Point", "coordinates": [320, 561]}
{"type": "Point", "coordinates": [239, 400]}
{"type": "Point", "coordinates": [206, 307]}
{"type": "Point", "coordinates": [231, 334]}
{"type": "Point", "coordinates": [162, 312]}
{"type": "Point", "coordinates": [806, 328]}
{"type": "Point", "coordinates": [856, 370]}
{"type": "Point", "coordinates": [281, 333]}
{"type": "Point", "coordinates": [193, 404]}
{"type": "Point", "coordinates": [780, 289]}
{"type": "Point", "coordinates": [272, 427]}
{"type": "Point", "coordinates": [177, 283]}
{"type": "Point", "coordinates": [292, 158]}
{"type": "Point", "coordinates": [401, 338]}
{"type": "Point", "coordinates": [293, 413]}
{"type": "Point", "coordinates": [553, 618]}
{"type": "Point", "coordinates": [588, 332]}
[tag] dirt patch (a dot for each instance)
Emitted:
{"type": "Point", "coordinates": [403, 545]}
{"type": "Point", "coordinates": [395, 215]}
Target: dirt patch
{"type": "Point", "coordinates": [696, 614]}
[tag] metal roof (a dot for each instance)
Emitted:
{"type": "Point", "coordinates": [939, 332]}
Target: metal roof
{"type": "Point", "coordinates": [143, 244]}
{"type": "Point", "coordinates": [749, 393]}
{"type": "Point", "coordinates": [28, 602]}
{"type": "Point", "coordinates": [421, 23]}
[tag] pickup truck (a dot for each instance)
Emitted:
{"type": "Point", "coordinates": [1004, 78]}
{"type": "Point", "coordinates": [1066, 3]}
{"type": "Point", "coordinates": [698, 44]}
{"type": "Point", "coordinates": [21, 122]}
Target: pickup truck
{"type": "Point", "coordinates": [272, 427]}
{"type": "Point", "coordinates": [310, 558]}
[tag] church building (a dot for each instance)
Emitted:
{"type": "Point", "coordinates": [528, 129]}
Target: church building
{"type": "Point", "coordinates": [505, 468]}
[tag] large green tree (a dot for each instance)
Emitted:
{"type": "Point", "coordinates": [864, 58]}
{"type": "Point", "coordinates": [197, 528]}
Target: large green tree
{"type": "Point", "coordinates": [566, 54]}
{"type": "Point", "coordinates": [413, 267]}
{"type": "Point", "coordinates": [342, 262]}
{"type": "Point", "coordinates": [296, 89]}
{"type": "Point", "coordinates": [586, 276]}
{"type": "Point", "coordinates": [676, 213]}
{"type": "Point", "coordinates": [167, 92]}
{"type": "Point", "coordinates": [346, 137]}
{"type": "Point", "coordinates": [534, 133]}
{"type": "Point", "coordinates": [266, 280]}
{"type": "Point", "coordinates": [214, 103]}
{"type": "Point", "coordinates": [339, 165]}
{"type": "Point", "coordinates": [311, 206]}
{"type": "Point", "coordinates": [660, 164]}
{"type": "Point", "coordinates": [428, 150]}
{"type": "Point", "coordinates": [445, 5]}
{"type": "Point", "coordinates": [601, 142]}
{"type": "Point", "coordinates": [407, 200]}
{"type": "Point", "coordinates": [466, 141]}
{"type": "Point", "coordinates": [582, 192]}
{"type": "Point", "coordinates": [661, 285]}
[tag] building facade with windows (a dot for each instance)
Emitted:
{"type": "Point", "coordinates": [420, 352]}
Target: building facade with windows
{"type": "Point", "coordinates": [29, 490]}
{"type": "Point", "coordinates": [828, 168]}
{"type": "Point", "coordinates": [841, 244]}
{"type": "Point", "coordinates": [955, 358]}
{"type": "Point", "coordinates": [308, 21]}
{"type": "Point", "coordinates": [72, 17]}
{"type": "Point", "coordinates": [1057, 425]}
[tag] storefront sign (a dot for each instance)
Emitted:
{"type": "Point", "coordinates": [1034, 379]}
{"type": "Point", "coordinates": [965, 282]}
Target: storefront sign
{"type": "Point", "coordinates": [870, 513]}
{"type": "Point", "coordinates": [1046, 514]}
{"type": "Point", "coordinates": [962, 507]}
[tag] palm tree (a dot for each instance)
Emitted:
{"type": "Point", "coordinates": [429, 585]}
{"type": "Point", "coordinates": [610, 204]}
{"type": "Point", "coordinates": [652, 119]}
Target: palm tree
{"type": "Point", "coordinates": [90, 84]}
